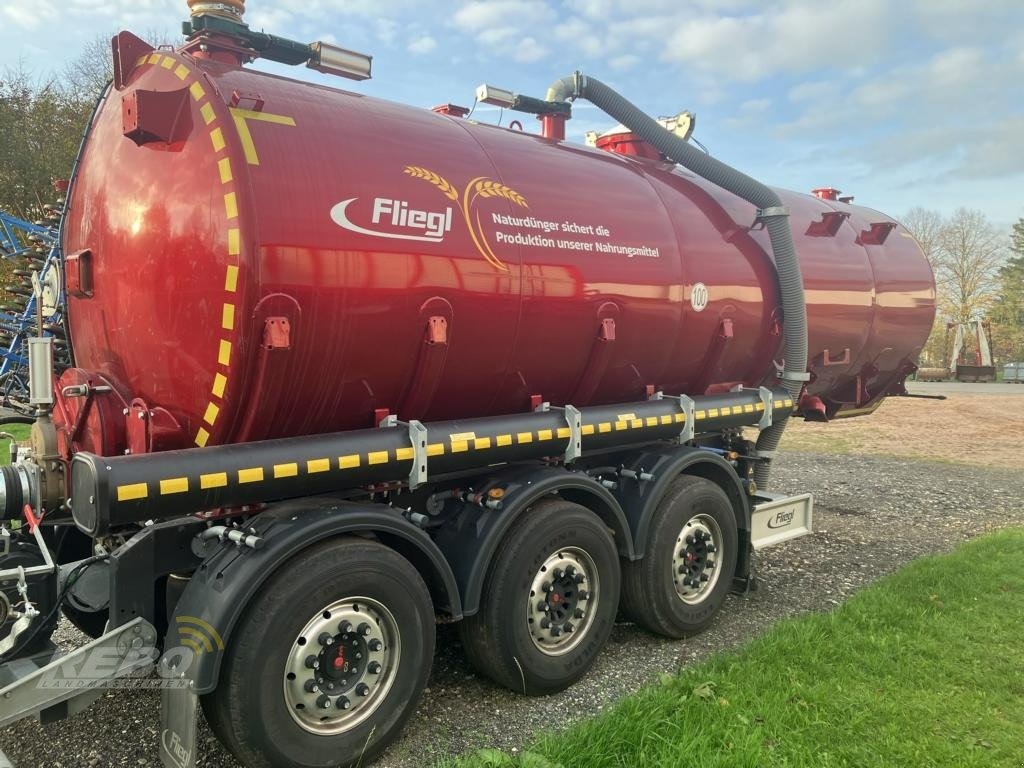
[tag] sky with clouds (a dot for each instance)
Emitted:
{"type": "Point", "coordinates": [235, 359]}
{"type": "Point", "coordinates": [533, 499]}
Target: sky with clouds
{"type": "Point", "coordinates": [898, 102]}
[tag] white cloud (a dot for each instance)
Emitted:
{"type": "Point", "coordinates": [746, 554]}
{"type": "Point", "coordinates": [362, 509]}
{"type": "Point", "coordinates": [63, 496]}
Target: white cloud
{"type": "Point", "coordinates": [422, 44]}
{"type": "Point", "coordinates": [528, 50]}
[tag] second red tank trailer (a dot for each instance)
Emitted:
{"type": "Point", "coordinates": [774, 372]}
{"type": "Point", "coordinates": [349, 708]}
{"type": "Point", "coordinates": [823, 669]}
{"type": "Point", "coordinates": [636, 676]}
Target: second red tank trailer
{"type": "Point", "coordinates": [344, 369]}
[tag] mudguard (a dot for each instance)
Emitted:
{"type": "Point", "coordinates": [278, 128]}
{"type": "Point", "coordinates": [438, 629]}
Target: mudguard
{"type": "Point", "coordinates": [470, 543]}
{"type": "Point", "coordinates": [640, 498]}
{"type": "Point", "coordinates": [221, 588]}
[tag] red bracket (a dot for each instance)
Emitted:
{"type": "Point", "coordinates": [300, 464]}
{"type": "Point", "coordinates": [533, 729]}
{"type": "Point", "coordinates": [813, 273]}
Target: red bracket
{"type": "Point", "coordinates": [149, 116]}
{"type": "Point", "coordinates": [877, 234]}
{"type": "Point", "coordinates": [277, 333]}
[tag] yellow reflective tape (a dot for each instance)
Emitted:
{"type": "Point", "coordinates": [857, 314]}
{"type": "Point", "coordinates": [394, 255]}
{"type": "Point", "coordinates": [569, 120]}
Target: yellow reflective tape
{"type": "Point", "coordinates": [349, 462]}
{"type": "Point", "coordinates": [181, 71]}
{"type": "Point", "coordinates": [231, 279]}
{"type": "Point", "coordinates": [227, 317]}
{"type": "Point", "coordinates": [224, 353]}
{"type": "Point", "coordinates": [217, 139]}
{"type": "Point", "coordinates": [636, 423]}
{"type": "Point", "coordinates": [604, 426]}
{"type": "Point", "coordinates": [132, 492]}
{"type": "Point", "coordinates": [202, 436]}
{"type": "Point", "coordinates": [234, 242]}
{"type": "Point", "coordinates": [681, 417]}
{"type": "Point", "coordinates": [712, 413]}
{"type": "Point", "coordinates": [401, 454]}
{"type": "Point", "coordinates": [458, 446]}
{"type": "Point", "coordinates": [463, 436]}
{"type": "Point", "coordinates": [759, 407]}
{"type": "Point", "coordinates": [564, 432]}
{"type": "Point", "coordinates": [230, 205]}
{"type": "Point", "coordinates": [154, 58]}
{"type": "Point", "coordinates": [435, 449]}
{"type": "Point", "coordinates": [286, 470]}
{"type": "Point", "coordinates": [626, 416]}
{"type": "Point", "coordinates": [666, 419]}
{"type": "Point", "coordinates": [481, 443]}
{"type": "Point", "coordinates": [377, 457]}
{"type": "Point", "coordinates": [211, 413]}
{"type": "Point", "coordinates": [219, 382]}
{"type": "Point", "coordinates": [587, 429]}
{"type": "Point", "coordinates": [207, 113]}
{"type": "Point", "coordinates": [544, 434]}
{"type": "Point", "coordinates": [503, 440]}
{"type": "Point", "coordinates": [167, 63]}
{"type": "Point", "coordinates": [196, 90]}
{"type": "Point", "coordinates": [251, 475]}
{"type": "Point", "coordinates": [621, 425]}
{"type": "Point", "coordinates": [789, 403]}
{"type": "Point", "coordinates": [174, 485]}
{"type": "Point", "coordinates": [241, 116]}
{"type": "Point", "coordinates": [213, 480]}
{"type": "Point", "coordinates": [224, 167]}
{"type": "Point", "coordinates": [699, 415]}
{"type": "Point", "coordinates": [524, 437]}
{"type": "Point", "coordinates": [318, 465]}
{"type": "Point", "coordinates": [141, 60]}
{"type": "Point", "coordinates": [651, 421]}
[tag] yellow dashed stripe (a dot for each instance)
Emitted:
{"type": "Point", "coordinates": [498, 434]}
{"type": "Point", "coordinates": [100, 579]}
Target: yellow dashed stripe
{"type": "Point", "coordinates": [132, 492]}
{"type": "Point", "coordinates": [377, 457]}
{"type": "Point", "coordinates": [314, 466]}
{"type": "Point", "coordinates": [588, 429]}
{"type": "Point", "coordinates": [224, 353]}
{"type": "Point", "coordinates": [460, 446]}
{"type": "Point", "coordinates": [252, 475]}
{"type": "Point", "coordinates": [348, 462]}
{"type": "Point", "coordinates": [207, 113]}
{"type": "Point", "coordinates": [174, 485]}
{"type": "Point", "coordinates": [544, 434]}
{"type": "Point", "coordinates": [195, 89]}
{"type": "Point", "coordinates": [234, 242]}
{"type": "Point", "coordinates": [181, 72]}
{"type": "Point", "coordinates": [219, 382]}
{"type": "Point", "coordinates": [435, 449]}
{"type": "Point", "coordinates": [564, 432]}
{"type": "Point", "coordinates": [167, 63]}
{"type": "Point", "coordinates": [211, 413]}
{"type": "Point", "coordinates": [404, 454]}
{"type": "Point", "coordinates": [154, 58]}
{"type": "Point", "coordinates": [231, 279]}
{"type": "Point", "coordinates": [213, 480]}
{"type": "Point", "coordinates": [286, 470]}
{"type": "Point", "coordinates": [503, 440]}
{"type": "Point", "coordinates": [217, 139]}
{"type": "Point", "coordinates": [524, 437]}
{"type": "Point", "coordinates": [230, 205]}
{"type": "Point", "coordinates": [482, 443]}
{"type": "Point", "coordinates": [227, 319]}
{"type": "Point", "coordinates": [224, 167]}
{"type": "Point", "coordinates": [202, 436]}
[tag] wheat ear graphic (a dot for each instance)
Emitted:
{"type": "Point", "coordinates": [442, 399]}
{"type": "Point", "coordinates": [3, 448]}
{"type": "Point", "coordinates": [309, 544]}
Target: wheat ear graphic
{"type": "Point", "coordinates": [438, 181]}
{"type": "Point", "coordinates": [488, 188]}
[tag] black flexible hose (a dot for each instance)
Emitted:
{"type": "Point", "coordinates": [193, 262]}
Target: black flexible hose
{"type": "Point", "coordinates": [770, 211]}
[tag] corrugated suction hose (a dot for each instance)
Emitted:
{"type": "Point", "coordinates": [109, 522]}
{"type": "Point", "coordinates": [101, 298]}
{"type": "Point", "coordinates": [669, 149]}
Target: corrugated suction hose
{"type": "Point", "coordinates": [770, 211]}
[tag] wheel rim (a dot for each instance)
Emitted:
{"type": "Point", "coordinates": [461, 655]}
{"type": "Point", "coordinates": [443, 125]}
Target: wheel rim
{"type": "Point", "coordinates": [342, 665]}
{"type": "Point", "coordinates": [563, 595]}
{"type": "Point", "coordinates": [696, 561]}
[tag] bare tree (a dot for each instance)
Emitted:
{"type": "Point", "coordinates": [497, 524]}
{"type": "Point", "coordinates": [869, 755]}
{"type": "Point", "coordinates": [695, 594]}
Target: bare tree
{"type": "Point", "coordinates": [970, 252]}
{"type": "Point", "coordinates": [88, 74]}
{"type": "Point", "coordinates": [926, 227]}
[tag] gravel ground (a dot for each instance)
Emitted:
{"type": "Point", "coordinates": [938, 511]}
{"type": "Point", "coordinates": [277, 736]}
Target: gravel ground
{"type": "Point", "coordinates": [872, 515]}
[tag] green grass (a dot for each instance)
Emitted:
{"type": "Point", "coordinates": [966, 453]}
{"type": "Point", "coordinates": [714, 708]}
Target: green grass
{"type": "Point", "coordinates": [925, 668]}
{"type": "Point", "coordinates": [20, 432]}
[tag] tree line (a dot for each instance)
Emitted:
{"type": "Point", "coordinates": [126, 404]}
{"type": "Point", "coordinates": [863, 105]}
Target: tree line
{"type": "Point", "coordinates": [979, 275]}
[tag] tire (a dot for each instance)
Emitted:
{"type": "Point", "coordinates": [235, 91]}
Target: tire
{"type": "Point", "coordinates": [506, 641]}
{"type": "Point", "coordinates": [652, 588]}
{"type": "Point", "coordinates": [251, 710]}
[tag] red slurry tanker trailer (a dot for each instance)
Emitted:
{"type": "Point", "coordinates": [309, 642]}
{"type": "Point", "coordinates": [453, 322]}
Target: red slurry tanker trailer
{"type": "Point", "coordinates": [345, 368]}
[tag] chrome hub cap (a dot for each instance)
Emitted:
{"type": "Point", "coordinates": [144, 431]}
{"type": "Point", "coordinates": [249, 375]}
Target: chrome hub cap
{"type": "Point", "coordinates": [341, 665]}
{"type": "Point", "coordinates": [696, 561]}
{"type": "Point", "coordinates": [563, 596]}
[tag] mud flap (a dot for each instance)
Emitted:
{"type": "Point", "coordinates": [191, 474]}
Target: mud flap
{"type": "Point", "coordinates": [178, 727]}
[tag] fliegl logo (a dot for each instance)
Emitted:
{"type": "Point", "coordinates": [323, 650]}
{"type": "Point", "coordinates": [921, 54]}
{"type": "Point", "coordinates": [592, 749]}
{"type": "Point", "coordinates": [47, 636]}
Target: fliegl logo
{"type": "Point", "coordinates": [397, 219]}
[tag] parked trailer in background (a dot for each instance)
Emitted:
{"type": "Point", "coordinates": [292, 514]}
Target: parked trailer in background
{"type": "Point", "coordinates": [345, 368]}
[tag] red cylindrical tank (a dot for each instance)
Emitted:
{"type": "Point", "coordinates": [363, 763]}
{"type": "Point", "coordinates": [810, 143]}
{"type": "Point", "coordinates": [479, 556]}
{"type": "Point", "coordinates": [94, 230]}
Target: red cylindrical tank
{"type": "Point", "coordinates": [268, 257]}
